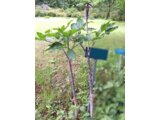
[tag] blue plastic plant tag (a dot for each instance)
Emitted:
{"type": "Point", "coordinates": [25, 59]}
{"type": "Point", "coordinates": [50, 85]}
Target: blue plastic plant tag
{"type": "Point", "coordinates": [96, 53]}
{"type": "Point", "coordinates": [120, 51]}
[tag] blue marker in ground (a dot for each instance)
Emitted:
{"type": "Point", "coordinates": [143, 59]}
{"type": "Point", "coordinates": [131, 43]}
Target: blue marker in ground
{"type": "Point", "coordinates": [121, 53]}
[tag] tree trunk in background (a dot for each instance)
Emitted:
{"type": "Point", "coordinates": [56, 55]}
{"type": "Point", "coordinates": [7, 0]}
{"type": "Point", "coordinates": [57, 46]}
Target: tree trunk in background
{"type": "Point", "coordinates": [108, 11]}
{"type": "Point", "coordinates": [109, 4]}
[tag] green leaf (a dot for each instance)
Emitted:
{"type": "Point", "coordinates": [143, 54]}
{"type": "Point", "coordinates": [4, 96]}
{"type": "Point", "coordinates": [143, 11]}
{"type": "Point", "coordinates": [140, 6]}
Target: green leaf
{"type": "Point", "coordinates": [108, 85]}
{"type": "Point", "coordinates": [111, 28]}
{"type": "Point", "coordinates": [86, 114]}
{"type": "Point", "coordinates": [104, 26]}
{"type": "Point", "coordinates": [79, 22]}
{"type": "Point", "coordinates": [48, 106]}
{"type": "Point", "coordinates": [80, 39]}
{"type": "Point", "coordinates": [78, 25]}
{"type": "Point", "coordinates": [71, 54]}
{"type": "Point", "coordinates": [108, 27]}
{"type": "Point", "coordinates": [41, 36]}
{"type": "Point", "coordinates": [61, 29]}
{"type": "Point", "coordinates": [65, 34]}
{"type": "Point", "coordinates": [71, 32]}
{"type": "Point", "coordinates": [69, 23]}
{"type": "Point", "coordinates": [97, 33]}
{"type": "Point", "coordinates": [55, 35]}
{"type": "Point", "coordinates": [74, 26]}
{"type": "Point", "coordinates": [88, 36]}
{"type": "Point", "coordinates": [82, 108]}
{"type": "Point", "coordinates": [50, 39]}
{"type": "Point", "coordinates": [48, 31]}
{"type": "Point", "coordinates": [54, 46]}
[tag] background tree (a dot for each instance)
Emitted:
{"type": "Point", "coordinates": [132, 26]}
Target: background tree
{"type": "Point", "coordinates": [109, 5]}
{"type": "Point", "coordinates": [121, 6]}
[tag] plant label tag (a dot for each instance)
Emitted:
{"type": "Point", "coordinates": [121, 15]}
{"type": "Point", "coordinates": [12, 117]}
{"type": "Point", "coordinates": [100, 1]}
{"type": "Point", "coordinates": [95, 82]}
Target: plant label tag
{"type": "Point", "coordinates": [96, 53]}
{"type": "Point", "coordinates": [120, 51]}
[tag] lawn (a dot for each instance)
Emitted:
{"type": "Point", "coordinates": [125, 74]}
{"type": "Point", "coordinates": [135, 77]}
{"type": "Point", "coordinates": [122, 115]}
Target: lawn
{"type": "Point", "coordinates": [53, 91]}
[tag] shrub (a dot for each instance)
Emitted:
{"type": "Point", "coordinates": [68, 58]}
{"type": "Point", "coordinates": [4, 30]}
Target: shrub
{"type": "Point", "coordinates": [37, 7]}
{"type": "Point", "coordinates": [95, 15]}
{"type": "Point", "coordinates": [115, 15]}
{"type": "Point", "coordinates": [123, 17]}
{"type": "Point", "coordinates": [60, 10]}
{"type": "Point", "coordinates": [61, 15]}
{"type": "Point", "coordinates": [51, 14]}
{"type": "Point", "coordinates": [37, 13]}
{"type": "Point", "coordinates": [69, 15]}
{"type": "Point", "coordinates": [40, 13]}
{"type": "Point", "coordinates": [103, 15]}
{"type": "Point", "coordinates": [109, 88]}
{"type": "Point", "coordinates": [80, 6]}
{"type": "Point", "coordinates": [71, 10]}
{"type": "Point", "coordinates": [76, 14]}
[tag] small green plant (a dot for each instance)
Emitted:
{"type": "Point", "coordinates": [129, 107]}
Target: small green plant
{"type": "Point", "coordinates": [66, 40]}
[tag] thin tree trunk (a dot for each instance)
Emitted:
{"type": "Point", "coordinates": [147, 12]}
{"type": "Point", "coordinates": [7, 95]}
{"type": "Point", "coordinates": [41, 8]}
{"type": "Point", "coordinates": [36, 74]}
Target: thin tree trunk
{"type": "Point", "coordinates": [90, 75]}
{"type": "Point", "coordinates": [108, 8]}
{"type": "Point", "coordinates": [72, 83]}
{"type": "Point", "coordinates": [108, 11]}
{"type": "Point", "coordinates": [90, 98]}
{"type": "Point", "coordinates": [73, 88]}
{"type": "Point", "coordinates": [91, 89]}
{"type": "Point", "coordinates": [90, 79]}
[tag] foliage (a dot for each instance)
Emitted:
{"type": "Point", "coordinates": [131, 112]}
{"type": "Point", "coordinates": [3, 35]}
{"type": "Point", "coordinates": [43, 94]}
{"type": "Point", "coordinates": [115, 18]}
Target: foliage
{"type": "Point", "coordinates": [51, 12]}
{"type": "Point", "coordinates": [62, 39]}
{"type": "Point", "coordinates": [68, 39]}
{"type": "Point", "coordinates": [121, 8]}
{"type": "Point", "coordinates": [73, 12]}
{"type": "Point", "coordinates": [101, 8]}
{"type": "Point", "coordinates": [54, 101]}
{"type": "Point", "coordinates": [109, 89]}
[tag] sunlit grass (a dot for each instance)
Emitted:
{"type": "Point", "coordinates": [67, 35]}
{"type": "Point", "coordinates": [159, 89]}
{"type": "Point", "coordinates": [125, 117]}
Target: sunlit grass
{"type": "Point", "coordinates": [42, 24]}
